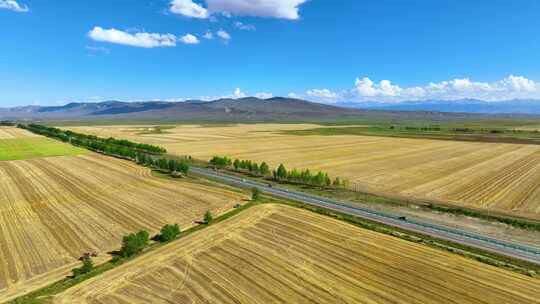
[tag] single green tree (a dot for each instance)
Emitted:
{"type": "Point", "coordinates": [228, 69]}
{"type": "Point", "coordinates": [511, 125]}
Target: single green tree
{"type": "Point", "coordinates": [134, 243]}
{"type": "Point", "coordinates": [264, 169]}
{"type": "Point", "coordinates": [208, 218]}
{"type": "Point", "coordinates": [281, 172]}
{"type": "Point", "coordinates": [255, 194]}
{"type": "Point", "coordinates": [169, 233]}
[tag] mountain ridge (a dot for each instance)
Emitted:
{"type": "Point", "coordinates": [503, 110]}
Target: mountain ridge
{"type": "Point", "coordinates": [466, 105]}
{"type": "Point", "coordinates": [251, 109]}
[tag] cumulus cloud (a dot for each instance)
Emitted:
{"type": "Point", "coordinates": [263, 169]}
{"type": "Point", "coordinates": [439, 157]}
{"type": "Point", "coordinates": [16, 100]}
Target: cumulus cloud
{"type": "Point", "coordinates": [264, 95]}
{"type": "Point", "coordinates": [13, 6]}
{"type": "Point", "coordinates": [208, 35]}
{"type": "Point", "coordinates": [323, 94]}
{"type": "Point", "coordinates": [283, 9]}
{"type": "Point", "coordinates": [189, 39]}
{"type": "Point", "coordinates": [365, 89]}
{"type": "Point", "coordinates": [244, 27]}
{"type": "Point", "coordinates": [223, 35]}
{"type": "Point", "coordinates": [141, 39]}
{"type": "Point", "coordinates": [188, 8]}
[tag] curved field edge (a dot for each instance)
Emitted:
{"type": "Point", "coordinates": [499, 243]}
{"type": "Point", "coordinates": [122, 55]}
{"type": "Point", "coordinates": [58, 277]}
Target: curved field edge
{"type": "Point", "coordinates": [54, 209]}
{"type": "Point", "coordinates": [277, 253]}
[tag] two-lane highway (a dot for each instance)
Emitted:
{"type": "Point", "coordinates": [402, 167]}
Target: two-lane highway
{"type": "Point", "coordinates": [511, 249]}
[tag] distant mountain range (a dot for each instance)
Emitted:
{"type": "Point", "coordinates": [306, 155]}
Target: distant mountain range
{"type": "Point", "coordinates": [251, 109]}
{"type": "Point", "coordinates": [455, 106]}
{"type": "Point", "coordinates": [243, 109]}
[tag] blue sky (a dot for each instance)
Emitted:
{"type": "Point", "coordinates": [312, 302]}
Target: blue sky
{"type": "Point", "coordinates": [54, 52]}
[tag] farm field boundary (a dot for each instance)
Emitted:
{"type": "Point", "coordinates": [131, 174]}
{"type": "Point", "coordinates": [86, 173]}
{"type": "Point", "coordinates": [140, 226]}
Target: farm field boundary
{"type": "Point", "coordinates": [269, 249]}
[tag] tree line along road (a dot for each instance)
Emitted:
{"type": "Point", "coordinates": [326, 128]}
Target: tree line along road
{"type": "Point", "coordinates": [511, 249]}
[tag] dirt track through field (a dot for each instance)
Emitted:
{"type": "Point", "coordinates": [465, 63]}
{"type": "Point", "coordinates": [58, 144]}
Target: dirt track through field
{"type": "Point", "coordinates": [54, 209]}
{"type": "Point", "coordinates": [279, 254]}
{"type": "Point", "coordinates": [501, 177]}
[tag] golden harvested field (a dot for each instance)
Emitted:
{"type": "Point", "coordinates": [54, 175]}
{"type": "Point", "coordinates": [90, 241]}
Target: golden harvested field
{"type": "Point", "coordinates": [502, 177]}
{"type": "Point", "coordinates": [54, 209]}
{"type": "Point", "coordinates": [11, 133]}
{"type": "Point", "coordinates": [280, 254]}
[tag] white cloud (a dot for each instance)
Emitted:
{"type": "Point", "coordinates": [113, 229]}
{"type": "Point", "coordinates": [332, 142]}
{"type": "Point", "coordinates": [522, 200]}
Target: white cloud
{"type": "Point", "coordinates": [284, 9]}
{"type": "Point", "coordinates": [520, 83]}
{"type": "Point", "coordinates": [141, 39]}
{"type": "Point", "coordinates": [293, 95]}
{"type": "Point", "coordinates": [223, 35]}
{"type": "Point", "coordinates": [13, 6]}
{"type": "Point", "coordinates": [238, 93]}
{"type": "Point", "coordinates": [189, 39]}
{"type": "Point", "coordinates": [322, 93]}
{"type": "Point", "coordinates": [244, 27]}
{"type": "Point", "coordinates": [366, 87]}
{"type": "Point", "coordinates": [263, 95]}
{"type": "Point", "coordinates": [208, 35]}
{"type": "Point", "coordinates": [511, 87]}
{"type": "Point", "coordinates": [189, 9]}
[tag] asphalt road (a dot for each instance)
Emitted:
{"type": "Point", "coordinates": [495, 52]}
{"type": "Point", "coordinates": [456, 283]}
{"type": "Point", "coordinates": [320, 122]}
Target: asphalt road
{"type": "Point", "coordinates": [510, 249]}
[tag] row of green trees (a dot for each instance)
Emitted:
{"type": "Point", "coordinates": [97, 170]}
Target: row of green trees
{"type": "Point", "coordinates": [320, 179]}
{"type": "Point", "coordinates": [166, 164]}
{"type": "Point", "coordinates": [143, 154]}
{"type": "Point", "coordinates": [110, 145]}
{"type": "Point", "coordinates": [252, 167]}
{"type": "Point", "coordinates": [7, 123]}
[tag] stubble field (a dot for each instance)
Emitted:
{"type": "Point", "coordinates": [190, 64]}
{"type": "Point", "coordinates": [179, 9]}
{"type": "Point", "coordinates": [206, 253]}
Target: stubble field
{"type": "Point", "coordinates": [280, 254]}
{"type": "Point", "coordinates": [54, 209]}
{"type": "Point", "coordinates": [494, 176]}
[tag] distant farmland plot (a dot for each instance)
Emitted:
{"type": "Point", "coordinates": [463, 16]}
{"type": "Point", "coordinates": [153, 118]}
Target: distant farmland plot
{"type": "Point", "coordinates": [54, 209]}
{"type": "Point", "coordinates": [20, 144]}
{"type": "Point", "coordinates": [280, 254]}
{"type": "Point", "coordinates": [495, 176]}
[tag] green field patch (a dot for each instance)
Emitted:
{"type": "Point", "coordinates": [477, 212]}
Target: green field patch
{"type": "Point", "coordinates": [35, 147]}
